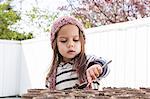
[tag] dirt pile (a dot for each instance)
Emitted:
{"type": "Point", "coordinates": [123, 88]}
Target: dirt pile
{"type": "Point", "coordinates": [106, 93]}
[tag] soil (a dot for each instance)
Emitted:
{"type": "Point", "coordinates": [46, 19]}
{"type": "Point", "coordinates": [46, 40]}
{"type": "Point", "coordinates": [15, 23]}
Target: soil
{"type": "Point", "coordinates": [105, 93]}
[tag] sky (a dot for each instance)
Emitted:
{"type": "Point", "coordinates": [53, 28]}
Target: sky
{"type": "Point", "coordinates": [26, 5]}
{"type": "Point", "coordinates": [44, 4]}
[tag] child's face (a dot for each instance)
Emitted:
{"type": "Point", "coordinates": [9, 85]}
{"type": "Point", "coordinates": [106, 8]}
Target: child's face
{"type": "Point", "coordinates": [68, 42]}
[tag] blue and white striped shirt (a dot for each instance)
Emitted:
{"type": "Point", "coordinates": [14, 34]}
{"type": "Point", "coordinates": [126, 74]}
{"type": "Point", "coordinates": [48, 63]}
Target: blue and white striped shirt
{"type": "Point", "coordinates": [66, 76]}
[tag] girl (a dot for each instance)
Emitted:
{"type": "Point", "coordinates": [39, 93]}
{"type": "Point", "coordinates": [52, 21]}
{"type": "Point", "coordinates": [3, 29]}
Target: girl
{"type": "Point", "coordinates": [70, 65]}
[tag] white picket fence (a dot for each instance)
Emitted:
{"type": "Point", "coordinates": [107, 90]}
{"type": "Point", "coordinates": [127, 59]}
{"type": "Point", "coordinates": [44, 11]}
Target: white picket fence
{"type": "Point", "coordinates": [24, 64]}
{"type": "Point", "coordinates": [9, 67]}
{"type": "Point", "coordinates": [128, 45]}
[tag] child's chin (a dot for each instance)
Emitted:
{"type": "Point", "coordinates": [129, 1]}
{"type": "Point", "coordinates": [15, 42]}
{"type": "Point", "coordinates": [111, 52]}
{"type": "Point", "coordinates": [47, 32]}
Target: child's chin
{"type": "Point", "coordinates": [71, 57]}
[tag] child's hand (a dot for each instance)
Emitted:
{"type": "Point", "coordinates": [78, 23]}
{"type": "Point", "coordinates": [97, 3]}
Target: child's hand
{"type": "Point", "coordinates": [93, 72]}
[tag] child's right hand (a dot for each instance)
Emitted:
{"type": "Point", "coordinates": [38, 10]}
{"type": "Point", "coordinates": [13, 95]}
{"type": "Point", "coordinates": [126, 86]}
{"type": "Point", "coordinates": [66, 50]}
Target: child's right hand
{"type": "Point", "coordinates": [93, 72]}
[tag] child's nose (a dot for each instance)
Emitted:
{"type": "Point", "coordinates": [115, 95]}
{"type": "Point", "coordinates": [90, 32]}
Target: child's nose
{"type": "Point", "coordinates": [70, 44]}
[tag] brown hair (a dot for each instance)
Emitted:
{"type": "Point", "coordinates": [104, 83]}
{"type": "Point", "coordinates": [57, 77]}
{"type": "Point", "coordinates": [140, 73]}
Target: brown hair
{"type": "Point", "coordinates": [80, 59]}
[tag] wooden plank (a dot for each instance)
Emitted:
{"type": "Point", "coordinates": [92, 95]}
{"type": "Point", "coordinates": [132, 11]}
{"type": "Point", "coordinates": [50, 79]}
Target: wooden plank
{"type": "Point", "coordinates": [141, 57]}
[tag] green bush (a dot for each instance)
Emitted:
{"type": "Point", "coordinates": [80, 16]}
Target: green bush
{"type": "Point", "coordinates": [7, 18]}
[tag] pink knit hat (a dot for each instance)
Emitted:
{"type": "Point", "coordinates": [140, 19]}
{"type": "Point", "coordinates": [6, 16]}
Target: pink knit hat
{"type": "Point", "coordinates": [63, 21]}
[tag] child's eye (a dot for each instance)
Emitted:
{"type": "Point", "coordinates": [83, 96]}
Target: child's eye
{"type": "Point", "coordinates": [76, 40]}
{"type": "Point", "coordinates": [63, 41]}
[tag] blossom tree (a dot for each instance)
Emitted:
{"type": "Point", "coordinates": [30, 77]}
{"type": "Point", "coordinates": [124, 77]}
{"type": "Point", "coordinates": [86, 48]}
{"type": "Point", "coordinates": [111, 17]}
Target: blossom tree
{"type": "Point", "coordinates": [94, 13]}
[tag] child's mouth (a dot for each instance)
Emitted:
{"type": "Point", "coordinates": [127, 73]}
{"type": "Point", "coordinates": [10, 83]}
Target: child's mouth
{"type": "Point", "coordinates": [71, 51]}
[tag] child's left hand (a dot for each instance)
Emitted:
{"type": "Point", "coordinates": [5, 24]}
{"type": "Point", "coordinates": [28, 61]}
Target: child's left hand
{"type": "Point", "coordinates": [93, 72]}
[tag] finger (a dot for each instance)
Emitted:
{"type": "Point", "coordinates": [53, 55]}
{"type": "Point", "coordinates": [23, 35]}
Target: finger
{"type": "Point", "coordinates": [92, 74]}
{"type": "Point", "coordinates": [89, 84]}
{"type": "Point", "coordinates": [97, 71]}
{"type": "Point", "coordinates": [89, 78]}
{"type": "Point", "coordinates": [100, 69]}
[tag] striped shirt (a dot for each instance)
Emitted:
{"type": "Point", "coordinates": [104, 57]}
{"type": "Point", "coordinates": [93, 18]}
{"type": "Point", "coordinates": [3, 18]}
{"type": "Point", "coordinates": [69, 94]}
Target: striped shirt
{"type": "Point", "coordinates": [66, 76]}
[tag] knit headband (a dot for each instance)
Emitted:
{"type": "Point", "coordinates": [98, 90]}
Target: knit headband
{"type": "Point", "coordinates": [64, 21]}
